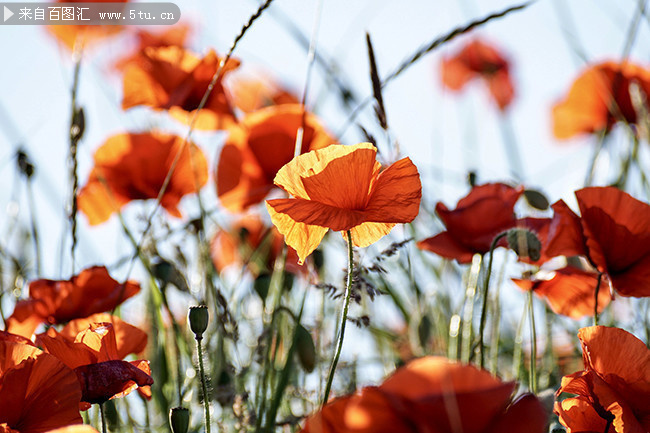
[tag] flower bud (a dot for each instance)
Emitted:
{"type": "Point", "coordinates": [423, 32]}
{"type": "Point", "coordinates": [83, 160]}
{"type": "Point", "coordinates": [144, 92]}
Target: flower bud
{"type": "Point", "coordinates": [525, 243]}
{"type": "Point", "coordinates": [199, 319]}
{"type": "Point", "coordinates": [179, 419]}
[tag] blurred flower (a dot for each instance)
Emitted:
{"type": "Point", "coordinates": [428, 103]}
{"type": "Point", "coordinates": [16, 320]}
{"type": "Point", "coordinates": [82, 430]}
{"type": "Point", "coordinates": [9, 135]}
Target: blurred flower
{"type": "Point", "coordinates": [175, 35]}
{"type": "Point", "coordinates": [37, 391]}
{"type": "Point", "coordinates": [81, 35]}
{"type": "Point", "coordinates": [134, 167]}
{"type": "Point", "coordinates": [612, 232]}
{"type": "Point", "coordinates": [599, 98]}
{"type": "Point", "coordinates": [249, 242]}
{"type": "Point", "coordinates": [480, 60]}
{"type": "Point", "coordinates": [569, 291]}
{"type": "Point", "coordinates": [250, 95]}
{"type": "Point", "coordinates": [58, 301]}
{"type": "Point", "coordinates": [258, 147]}
{"type": "Point", "coordinates": [343, 188]}
{"type": "Point", "coordinates": [96, 358]}
{"type": "Point", "coordinates": [478, 218]}
{"type": "Point", "coordinates": [173, 79]}
{"type": "Point", "coordinates": [613, 391]}
{"type": "Point", "coordinates": [15, 338]}
{"type": "Point", "coordinates": [432, 394]}
{"type": "Point", "coordinates": [78, 428]}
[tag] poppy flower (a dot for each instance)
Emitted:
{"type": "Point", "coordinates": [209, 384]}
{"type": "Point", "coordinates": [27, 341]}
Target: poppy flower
{"type": "Point", "coordinates": [59, 301]}
{"type": "Point", "coordinates": [569, 291]}
{"type": "Point", "coordinates": [432, 394]}
{"type": "Point", "coordinates": [173, 79]}
{"type": "Point", "coordinates": [614, 387]}
{"type": "Point", "coordinates": [612, 232]}
{"type": "Point", "coordinates": [250, 95]}
{"type": "Point", "coordinates": [258, 147]}
{"type": "Point", "coordinates": [96, 358]}
{"type": "Point", "coordinates": [599, 98]}
{"type": "Point", "coordinates": [37, 391]}
{"type": "Point", "coordinates": [134, 167]}
{"type": "Point", "coordinates": [71, 35]}
{"type": "Point", "coordinates": [250, 242]}
{"type": "Point", "coordinates": [480, 60]}
{"type": "Point", "coordinates": [343, 188]}
{"type": "Point", "coordinates": [175, 35]}
{"type": "Point", "coordinates": [477, 219]}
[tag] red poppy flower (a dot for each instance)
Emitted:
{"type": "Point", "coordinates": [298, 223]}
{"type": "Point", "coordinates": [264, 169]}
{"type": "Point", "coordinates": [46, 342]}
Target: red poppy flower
{"type": "Point", "coordinates": [258, 147]}
{"type": "Point", "coordinates": [478, 218]}
{"type": "Point", "coordinates": [56, 301]}
{"type": "Point", "coordinates": [69, 35]}
{"type": "Point", "coordinates": [569, 291]}
{"type": "Point", "coordinates": [480, 60]}
{"type": "Point", "coordinates": [343, 188]}
{"type": "Point", "coordinates": [613, 389]}
{"type": "Point", "coordinates": [250, 95]}
{"type": "Point", "coordinates": [175, 35]}
{"type": "Point", "coordinates": [134, 167]}
{"type": "Point", "coordinates": [416, 398]}
{"type": "Point", "coordinates": [37, 391]}
{"type": "Point", "coordinates": [172, 79]}
{"type": "Point", "coordinates": [96, 358]}
{"type": "Point", "coordinates": [250, 242]}
{"type": "Point", "coordinates": [599, 98]}
{"type": "Point", "coordinates": [613, 232]}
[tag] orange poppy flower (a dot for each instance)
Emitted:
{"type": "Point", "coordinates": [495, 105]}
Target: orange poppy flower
{"type": "Point", "coordinates": [37, 391]}
{"type": "Point", "coordinates": [614, 388]}
{"type": "Point", "coordinates": [343, 188]}
{"type": "Point", "coordinates": [56, 301]}
{"type": "Point", "coordinates": [258, 147]}
{"type": "Point", "coordinates": [416, 398]}
{"type": "Point", "coordinates": [96, 358]}
{"type": "Point", "coordinates": [78, 428]}
{"type": "Point", "coordinates": [134, 167]}
{"type": "Point", "coordinates": [175, 35]}
{"type": "Point", "coordinates": [69, 35]}
{"type": "Point", "coordinates": [250, 242]}
{"type": "Point", "coordinates": [569, 291]}
{"type": "Point", "coordinates": [599, 98]}
{"type": "Point", "coordinates": [480, 60]}
{"type": "Point", "coordinates": [613, 232]}
{"type": "Point", "coordinates": [173, 79]}
{"type": "Point", "coordinates": [250, 95]}
{"type": "Point", "coordinates": [478, 218]}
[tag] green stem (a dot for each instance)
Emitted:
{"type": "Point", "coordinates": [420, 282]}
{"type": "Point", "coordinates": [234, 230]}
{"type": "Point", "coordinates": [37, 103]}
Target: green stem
{"type": "Point", "coordinates": [344, 319]}
{"type": "Point", "coordinates": [486, 288]}
{"type": "Point", "coordinates": [103, 417]}
{"type": "Point", "coordinates": [204, 385]}
{"type": "Point", "coordinates": [600, 277]}
{"type": "Point", "coordinates": [75, 135]}
{"type": "Point", "coordinates": [533, 344]}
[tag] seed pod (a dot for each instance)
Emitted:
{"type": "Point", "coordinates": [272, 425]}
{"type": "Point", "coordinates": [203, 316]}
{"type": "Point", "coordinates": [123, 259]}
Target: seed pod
{"type": "Point", "coordinates": [199, 319]}
{"type": "Point", "coordinates": [305, 349]}
{"type": "Point", "coordinates": [525, 243]}
{"type": "Point", "coordinates": [179, 419]}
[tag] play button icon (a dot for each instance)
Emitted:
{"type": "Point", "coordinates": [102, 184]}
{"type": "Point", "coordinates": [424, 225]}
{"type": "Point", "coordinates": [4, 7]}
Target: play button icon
{"type": "Point", "coordinates": [7, 14]}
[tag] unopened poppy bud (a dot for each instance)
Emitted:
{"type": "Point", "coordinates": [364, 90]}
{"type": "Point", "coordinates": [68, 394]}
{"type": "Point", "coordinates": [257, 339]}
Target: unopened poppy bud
{"type": "Point", "coordinates": [199, 320]}
{"type": "Point", "coordinates": [179, 419]}
{"type": "Point", "coordinates": [525, 243]}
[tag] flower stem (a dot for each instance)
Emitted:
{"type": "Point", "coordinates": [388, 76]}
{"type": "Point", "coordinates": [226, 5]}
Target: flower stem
{"type": "Point", "coordinates": [344, 319]}
{"type": "Point", "coordinates": [533, 344]}
{"type": "Point", "coordinates": [204, 385]}
{"type": "Point", "coordinates": [75, 136]}
{"type": "Point", "coordinates": [486, 287]}
{"type": "Point", "coordinates": [103, 417]}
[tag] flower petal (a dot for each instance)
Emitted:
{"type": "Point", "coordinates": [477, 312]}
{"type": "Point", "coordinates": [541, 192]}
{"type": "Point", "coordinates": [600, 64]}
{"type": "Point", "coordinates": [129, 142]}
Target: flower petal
{"type": "Point", "coordinates": [304, 238]}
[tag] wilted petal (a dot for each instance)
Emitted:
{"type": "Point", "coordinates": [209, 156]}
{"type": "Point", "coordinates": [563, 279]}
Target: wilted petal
{"type": "Point", "coordinates": [105, 380]}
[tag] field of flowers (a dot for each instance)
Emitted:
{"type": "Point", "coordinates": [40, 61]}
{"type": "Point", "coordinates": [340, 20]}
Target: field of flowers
{"type": "Point", "coordinates": [229, 261]}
